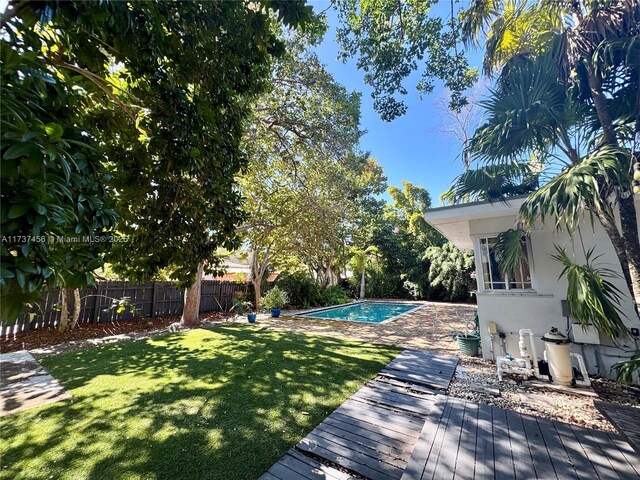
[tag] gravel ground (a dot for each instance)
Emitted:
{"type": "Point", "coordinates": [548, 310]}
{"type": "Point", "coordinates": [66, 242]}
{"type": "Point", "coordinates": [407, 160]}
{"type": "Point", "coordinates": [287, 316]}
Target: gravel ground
{"type": "Point", "coordinates": [475, 374]}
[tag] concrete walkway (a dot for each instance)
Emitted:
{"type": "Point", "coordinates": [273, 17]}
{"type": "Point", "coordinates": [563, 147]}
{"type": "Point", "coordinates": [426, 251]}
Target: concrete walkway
{"type": "Point", "coordinates": [24, 384]}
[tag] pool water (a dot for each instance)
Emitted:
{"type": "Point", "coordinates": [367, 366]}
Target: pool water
{"type": "Point", "coordinates": [377, 312]}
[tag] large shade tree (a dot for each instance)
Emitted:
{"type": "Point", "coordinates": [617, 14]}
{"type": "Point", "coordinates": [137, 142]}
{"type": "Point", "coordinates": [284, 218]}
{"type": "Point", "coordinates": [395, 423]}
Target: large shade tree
{"type": "Point", "coordinates": [155, 94]}
{"type": "Point", "coordinates": [306, 177]}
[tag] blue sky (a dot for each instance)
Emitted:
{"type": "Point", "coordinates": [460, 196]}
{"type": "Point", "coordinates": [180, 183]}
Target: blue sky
{"type": "Point", "coordinates": [412, 147]}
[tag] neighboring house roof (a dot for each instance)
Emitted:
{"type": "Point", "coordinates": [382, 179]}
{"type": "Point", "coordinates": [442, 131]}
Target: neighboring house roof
{"type": "Point", "coordinates": [452, 221]}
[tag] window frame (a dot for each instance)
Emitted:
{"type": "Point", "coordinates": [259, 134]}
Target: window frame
{"type": "Point", "coordinates": [480, 270]}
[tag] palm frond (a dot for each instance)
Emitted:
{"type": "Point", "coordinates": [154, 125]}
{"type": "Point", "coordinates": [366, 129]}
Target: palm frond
{"type": "Point", "coordinates": [511, 250]}
{"type": "Point", "coordinates": [530, 109]}
{"type": "Point", "coordinates": [592, 298]}
{"type": "Point", "coordinates": [626, 369]}
{"type": "Point", "coordinates": [579, 189]}
{"type": "Point", "coordinates": [476, 19]}
{"type": "Point", "coordinates": [492, 182]}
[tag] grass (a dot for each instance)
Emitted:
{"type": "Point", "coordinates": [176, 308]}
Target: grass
{"type": "Point", "coordinates": [217, 404]}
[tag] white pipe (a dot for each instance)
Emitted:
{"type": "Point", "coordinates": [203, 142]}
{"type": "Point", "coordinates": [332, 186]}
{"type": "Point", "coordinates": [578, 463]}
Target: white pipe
{"type": "Point", "coordinates": [534, 356]}
{"type": "Point", "coordinates": [583, 369]}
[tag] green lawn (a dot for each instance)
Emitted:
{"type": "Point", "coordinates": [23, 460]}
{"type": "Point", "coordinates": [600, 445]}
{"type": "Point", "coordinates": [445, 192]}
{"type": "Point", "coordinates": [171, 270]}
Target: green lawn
{"type": "Point", "coordinates": [216, 404]}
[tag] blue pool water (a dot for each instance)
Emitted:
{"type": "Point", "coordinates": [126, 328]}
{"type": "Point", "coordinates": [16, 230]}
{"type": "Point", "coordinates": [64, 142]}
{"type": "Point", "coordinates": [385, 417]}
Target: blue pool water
{"type": "Point", "coordinates": [364, 312]}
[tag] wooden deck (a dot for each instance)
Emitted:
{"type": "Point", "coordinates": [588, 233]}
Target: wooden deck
{"type": "Point", "coordinates": [625, 419]}
{"type": "Point", "coordinates": [464, 440]}
{"type": "Point", "coordinates": [399, 426]}
{"type": "Point", "coordinates": [373, 433]}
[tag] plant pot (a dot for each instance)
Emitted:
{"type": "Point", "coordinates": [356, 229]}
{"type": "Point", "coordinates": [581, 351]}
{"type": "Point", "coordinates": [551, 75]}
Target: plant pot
{"type": "Point", "coordinates": [469, 344]}
{"type": "Point", "coordinates": [275, 312]}
{"type": "Point", "coordinates": [252, 317]}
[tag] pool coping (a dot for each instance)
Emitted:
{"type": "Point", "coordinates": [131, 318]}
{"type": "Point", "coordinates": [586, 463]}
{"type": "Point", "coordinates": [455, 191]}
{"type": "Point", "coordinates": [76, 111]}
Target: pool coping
{"type": "Point", "coordinates": [305, 313]}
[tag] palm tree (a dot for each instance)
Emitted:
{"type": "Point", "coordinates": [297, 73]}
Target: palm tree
{"type": "Point", "coordinates": [569, 81]}
{"type": "Point", "coordinates": [359, 260]}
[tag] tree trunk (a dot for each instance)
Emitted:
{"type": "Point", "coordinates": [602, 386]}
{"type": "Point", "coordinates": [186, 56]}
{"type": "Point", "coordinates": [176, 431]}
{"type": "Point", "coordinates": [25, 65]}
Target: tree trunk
{"type": "Point", "coordinates": [70, 309]}
{"type": "Point", "coordinates": [362, 284]}
{"type": "Point", "coordinates": [191, 310]}
{"type": "Point", "coordinates": [629, 222]}
{"type": "Point", "coordinates": [627, 245]}
{"type": "Point", "coordinates": [257, 286]}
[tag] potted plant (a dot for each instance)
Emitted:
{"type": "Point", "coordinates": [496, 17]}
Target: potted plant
{"type": "Point", "coordinates": [241, 307]}
{"type": "Point", "coordinates": [274, 300]}
{"type": "Point", "coordinates": [469, 340]}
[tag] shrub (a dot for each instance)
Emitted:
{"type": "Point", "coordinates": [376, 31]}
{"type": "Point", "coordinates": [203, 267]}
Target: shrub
{"type": "Point", "coordinates": [274, 298]}
{"type": "Point", "coordinates": [334, 295]}
{"type": "Point", "coordinates": [304, 292]}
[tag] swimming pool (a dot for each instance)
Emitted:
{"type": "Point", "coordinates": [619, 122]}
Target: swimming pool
{"type": "Point", "coordinates": [369, 312]}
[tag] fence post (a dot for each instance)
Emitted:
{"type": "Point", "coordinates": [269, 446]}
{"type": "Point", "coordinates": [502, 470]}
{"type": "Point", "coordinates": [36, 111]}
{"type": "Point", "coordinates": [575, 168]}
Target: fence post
{"type": "Point", "coordinates": [154, 298]}
{"type": "Point", "coordinates": [96, 306]}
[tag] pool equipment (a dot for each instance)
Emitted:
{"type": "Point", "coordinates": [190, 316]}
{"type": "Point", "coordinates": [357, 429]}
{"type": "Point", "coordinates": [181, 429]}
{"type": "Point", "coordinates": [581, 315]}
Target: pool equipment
{"type": "Point", "coordinates": [527, 364]}
{"type": "Point", "coordinates": [558, 355]}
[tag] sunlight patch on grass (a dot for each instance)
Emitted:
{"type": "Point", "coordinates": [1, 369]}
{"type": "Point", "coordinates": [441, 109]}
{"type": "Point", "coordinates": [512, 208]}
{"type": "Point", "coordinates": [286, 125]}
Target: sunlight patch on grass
{"type": "Point", "coordinates": [219, 404]}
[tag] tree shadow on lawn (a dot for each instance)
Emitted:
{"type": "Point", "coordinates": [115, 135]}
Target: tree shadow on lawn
{"type": "Point", "coordinates": [217, 404]}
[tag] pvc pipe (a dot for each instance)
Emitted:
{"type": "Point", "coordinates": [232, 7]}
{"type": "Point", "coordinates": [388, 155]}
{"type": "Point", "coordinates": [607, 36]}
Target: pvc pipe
{"type": "Point", "coordinates": [583, 369]}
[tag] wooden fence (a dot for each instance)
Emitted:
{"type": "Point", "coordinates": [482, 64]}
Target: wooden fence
{"type": "Point", "coordinates": [154, 299]}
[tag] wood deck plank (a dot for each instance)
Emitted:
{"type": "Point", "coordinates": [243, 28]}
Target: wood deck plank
{"type": "Point", "coordinates": [328, 472]}
{"type": "Point", "coordinates": [617, 459]}
{"type": "Point", "coordinates": [542, 463]}
{"type": "Point", "coordinates": [560, 459]}
{"type": "Point", "coordinates": [405, 402]}
{"type": "Point", "coordinates": [375, 442]}
{"type": "Point", "coordinates": [600, 462]}
{"type": "Point", "coordinates": [446, 466]}
{"type": "Point", "coordinates": [348, 458]}
{"type": "Point", "coordinates": [422, 449]}
{"type": "Point", "coordinates": [484, 463]}
{"type": "Point", "coordinates": [582, 464]}
{"type": "Point", "coordinates": [467, 449]}
{"type": "Point", "coordinates": [372, 432]}
{"type": "Point", "coordinates": [503, 460]}
{"type": "Point", "coordinates": [522, 461]}
{"type": "Point", "coordinates": [627, 450]}
{"type": "Point", "coordinates": [381, 425]}
{"type": "Point", "coordinates": [625, 418]}
{"type": "Point", "coordinates": [438, 441]}
{"type": "Point", "coordinates": [376, 455]}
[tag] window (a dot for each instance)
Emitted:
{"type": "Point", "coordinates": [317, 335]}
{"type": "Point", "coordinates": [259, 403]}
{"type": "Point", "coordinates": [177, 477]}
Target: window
{"type": "Point", "coordinates": [492, 277]}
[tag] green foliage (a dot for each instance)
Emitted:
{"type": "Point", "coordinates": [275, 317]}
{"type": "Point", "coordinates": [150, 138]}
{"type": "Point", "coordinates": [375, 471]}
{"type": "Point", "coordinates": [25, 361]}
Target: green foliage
{"type": "Point", "coordinates": [52, 182]}
{"type": "Point", "coordinates": [492, 182]}
{"type": "Point", "coordinates": [274, 298]}
{"type": "Point", "coordinates": [144, 101]}
{"type": "Point", "coordinates": [307, 183]}
{"type": "Point", "coordinates": [401, 236]}
{"type": "Point", "coordinates": [592, 298]}
{"type": "Point", "coordinates": [304, 291]}
{"type": "Point", "coordinates": [565, 104]}
{"type": "Point", "coordinates": [511, 250]}
{"type": "Point", "coordinates": [381, 283]}
{"type": "Point", "coordinates": [241, 306]}
{"type": "Point", "coordinates": [335, 295]}
{"type": "Point", "coordinates": [391, 40]}
{"type": "Point", "coordinates": [216, 391]}
{"type": "Point", "coordinates": [451, 270]}
{"type": "Point", "coordinates": [626, 369]}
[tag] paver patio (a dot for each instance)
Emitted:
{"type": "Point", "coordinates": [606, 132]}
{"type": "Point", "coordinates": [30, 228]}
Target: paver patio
{"type": "Point", "coordinates": [429, 327]}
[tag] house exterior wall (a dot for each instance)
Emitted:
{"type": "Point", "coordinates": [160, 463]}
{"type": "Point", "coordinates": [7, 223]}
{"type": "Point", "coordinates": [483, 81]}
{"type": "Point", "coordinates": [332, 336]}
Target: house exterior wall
{"type": "Point", "coordinates": [541, 308]}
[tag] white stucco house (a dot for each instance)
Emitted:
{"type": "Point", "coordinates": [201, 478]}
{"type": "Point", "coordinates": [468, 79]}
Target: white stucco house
{"type": "Point", "coordinates": [533, 299]}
